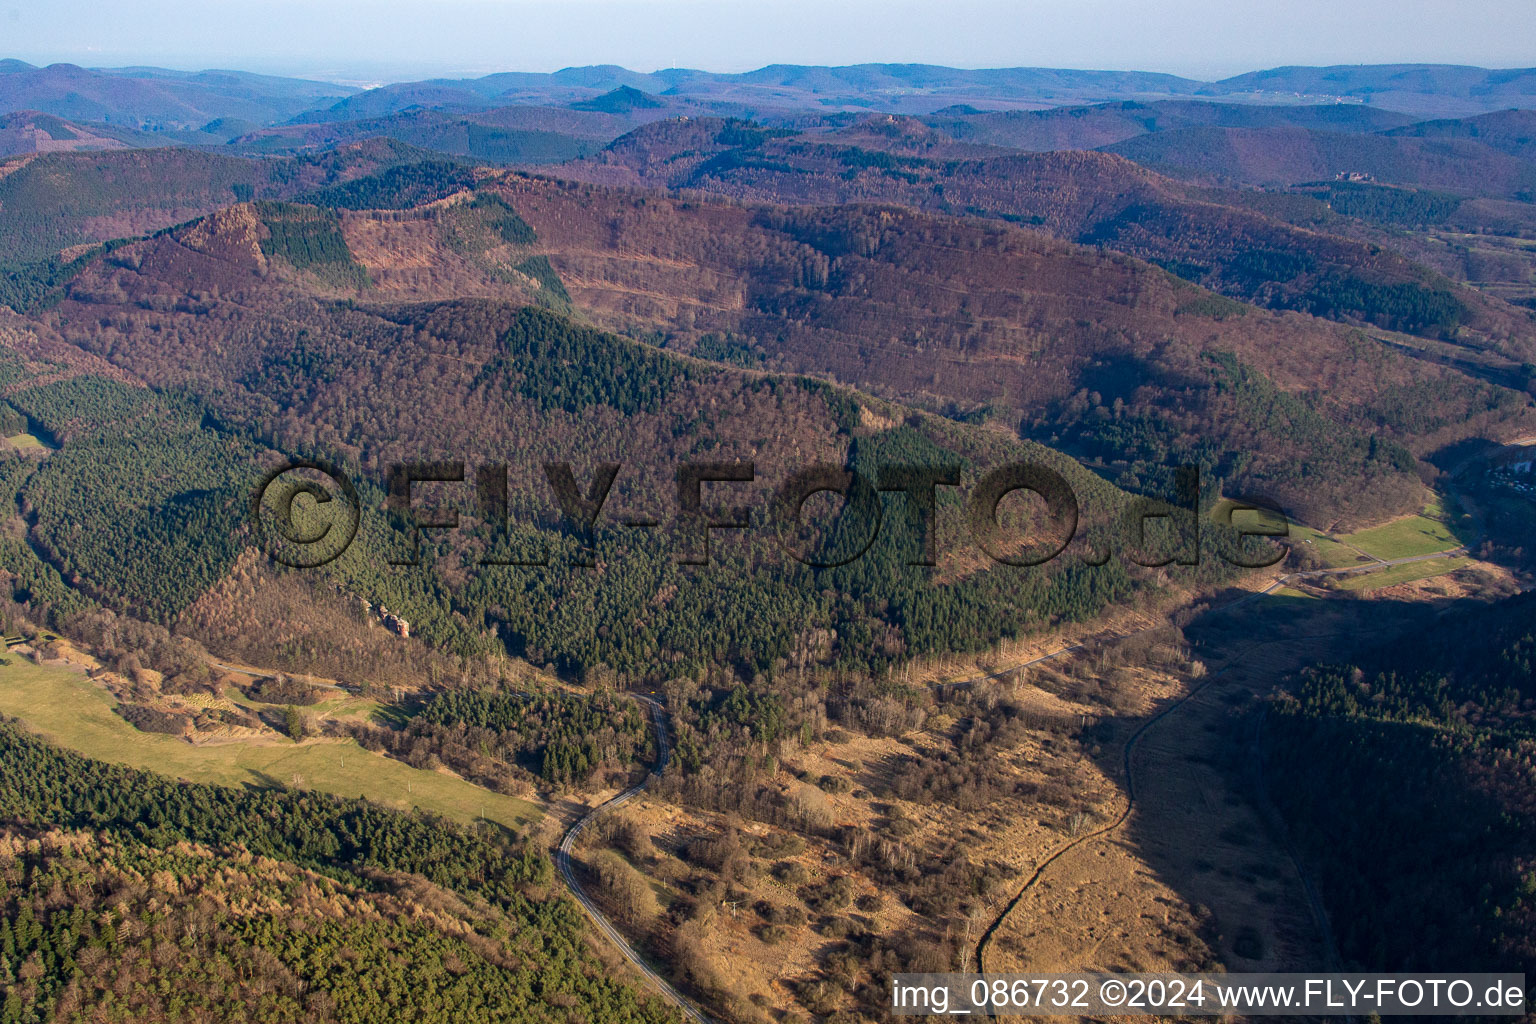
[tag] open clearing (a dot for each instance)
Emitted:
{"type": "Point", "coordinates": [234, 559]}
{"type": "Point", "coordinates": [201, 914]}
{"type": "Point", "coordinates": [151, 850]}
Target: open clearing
{"type": "Point", "coordinates": [1422, 534]}
{"type": "Point", "coordinates": [1403, 574]}
{"type": "Point", "coordinates": [66, 708]}
{"type": "Point", "coordinates": [25, 442]}
{"type": "Point", "coordinates": [1416, 535]}
{"type": "Point", "coordinates": [1333, 554]}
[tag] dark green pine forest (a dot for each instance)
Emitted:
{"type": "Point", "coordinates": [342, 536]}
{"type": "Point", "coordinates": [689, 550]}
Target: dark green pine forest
{"type": "Point", "coordinates": [125, 893]}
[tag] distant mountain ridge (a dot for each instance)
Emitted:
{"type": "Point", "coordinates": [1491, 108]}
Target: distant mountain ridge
{"type": "Point", "coordinates": [1436, 89]}
{"type": "Point", "coordinates": [1290, 155]}
{"type": "Point", "coordinates": [159, 99]}
{"type": "Point", "coordinates": [1092, 127]}
{"type": "Point", "coordinates": [1419, 90]}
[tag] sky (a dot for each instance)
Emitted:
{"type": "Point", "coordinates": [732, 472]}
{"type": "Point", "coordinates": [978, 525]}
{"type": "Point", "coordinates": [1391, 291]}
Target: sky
{"type": "Point", "coordinates": [390, 40]}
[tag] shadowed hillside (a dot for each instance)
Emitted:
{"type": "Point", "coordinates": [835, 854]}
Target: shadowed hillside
{"type": "Point", "coordinates": [1444, 715]}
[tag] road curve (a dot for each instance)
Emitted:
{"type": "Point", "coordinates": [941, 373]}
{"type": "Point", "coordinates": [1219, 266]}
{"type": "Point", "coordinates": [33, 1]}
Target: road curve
{"type": "Point", "coordinates": [563, 853]}
{"type": "Point", "coordinates": [689, 1009]}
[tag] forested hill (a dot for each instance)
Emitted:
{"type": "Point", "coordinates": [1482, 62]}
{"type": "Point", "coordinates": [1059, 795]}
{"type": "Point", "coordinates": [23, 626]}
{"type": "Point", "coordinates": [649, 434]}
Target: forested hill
{"type": "Point", "coordinates": [1087, 350]}
{"type": "Point", "coordinates": [201, 901]}
{"type": "Point", "coordinates": [429, 312]}
{"type": "Point", "coordinates": [1292, 155]}
{"type": "Point", "coordinates": [1091, 198]}
{"type": "Point", "coordinates": [58, 201]}
{"type": "Point", "coordinates": [1408, 778]}
{"type": "Point", "coordinates": [240, 325]}
{"type": "Point", "coordinates": [1101, 356]}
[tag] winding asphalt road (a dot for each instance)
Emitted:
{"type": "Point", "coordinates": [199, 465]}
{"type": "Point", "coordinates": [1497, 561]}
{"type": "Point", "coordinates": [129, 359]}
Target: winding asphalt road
{"type": "Point", "coordinates": [563, 861]}
{"type": "Point", "coordinates": [563, 853]}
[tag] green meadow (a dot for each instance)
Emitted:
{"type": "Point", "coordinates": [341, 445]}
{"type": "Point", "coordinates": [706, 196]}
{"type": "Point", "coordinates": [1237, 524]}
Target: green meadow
{"type": "Point", "coordinates": [24, 442]}
{"type": "Point", "coordinates": [66, 708]}
{"type": "Point", "coordinates": [1396, 574]}
{"type": "Point", "coordinates": [1416, 535]}
{"type": "Point", "coordinates": [1423, 534]}
{"type": "Point", "coordinates": [1333, 554]}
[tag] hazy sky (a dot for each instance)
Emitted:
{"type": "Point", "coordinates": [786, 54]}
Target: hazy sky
{"type": "Point", "coordinates": [394, 39]}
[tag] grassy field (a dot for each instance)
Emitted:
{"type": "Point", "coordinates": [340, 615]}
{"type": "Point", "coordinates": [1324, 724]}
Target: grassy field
{"type": "Point", "coordinates": [1416, 535]}
{"type": "Point", "coordinates": [68, 709]}
{"type": "Point", "coordinates": [1293, 593]}
{"type": "Point", "coordinates": [1404, 574]}
{"type": "Point", "coordinates": [1333, 554]}
{"type": "Point", "coordinates": [25, 441]}
{"type": "Point", "coordinates": [1423, 534]}
{"type": "Point", "coordinates": [334, 704]}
